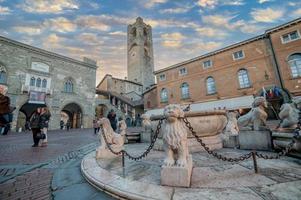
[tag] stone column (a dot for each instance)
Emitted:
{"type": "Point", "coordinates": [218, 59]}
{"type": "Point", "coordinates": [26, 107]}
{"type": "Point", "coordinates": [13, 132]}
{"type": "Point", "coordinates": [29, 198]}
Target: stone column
{"type": "Point", "coordinates": [126, 109]}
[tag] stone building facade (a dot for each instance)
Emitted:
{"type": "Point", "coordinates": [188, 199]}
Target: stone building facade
{"type": "Point", "coordinates": [121, 95]}
{"type": "Point", "coordinates": [37, 78]}
{"type": "Point", "coordinates": [140, 56]}
{"type": "Point", "coordinates": [228, 78]}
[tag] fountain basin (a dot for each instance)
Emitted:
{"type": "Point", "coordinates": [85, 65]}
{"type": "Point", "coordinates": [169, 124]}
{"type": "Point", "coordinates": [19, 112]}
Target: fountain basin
{"type": "Point", "coordinates": [207, 124]}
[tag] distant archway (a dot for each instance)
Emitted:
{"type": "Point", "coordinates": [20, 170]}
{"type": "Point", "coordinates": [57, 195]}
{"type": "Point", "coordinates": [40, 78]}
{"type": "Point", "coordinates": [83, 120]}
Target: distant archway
{"type": "Point", "coordinates": [73, 112]}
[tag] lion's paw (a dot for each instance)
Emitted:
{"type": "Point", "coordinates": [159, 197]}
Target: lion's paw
{"type": "Point", "coordinates": [169, 162]}
{"type": "Point", "coordinates": [181, 163]}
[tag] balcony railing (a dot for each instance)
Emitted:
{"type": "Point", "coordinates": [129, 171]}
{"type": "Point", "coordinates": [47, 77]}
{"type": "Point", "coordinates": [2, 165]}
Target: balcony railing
{"type": "Point", "coordinates": [27, 88]}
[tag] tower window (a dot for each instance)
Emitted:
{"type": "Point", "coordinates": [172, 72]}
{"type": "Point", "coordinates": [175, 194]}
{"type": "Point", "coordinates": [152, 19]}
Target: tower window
{"type": "Point", "coordinates": [38, 83]}
{"type": "Point", "coordinates": [183, 71]}
{"type": "Point", "coordinates": [32, 81]}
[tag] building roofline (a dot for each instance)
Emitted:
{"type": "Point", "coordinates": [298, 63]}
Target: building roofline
{"type": "Point", "coordinates": [267, 32]}
{"type": "Point", "coordinates": [232, 46]}
{"type": "Point", "coordinates": [150, 89]}
{"type": "Point", "coordinates": [282, 26]}
{"type": "Point", "coordinates": [116, 79]}
{"type": "Point", "coordinates": [45, 52]}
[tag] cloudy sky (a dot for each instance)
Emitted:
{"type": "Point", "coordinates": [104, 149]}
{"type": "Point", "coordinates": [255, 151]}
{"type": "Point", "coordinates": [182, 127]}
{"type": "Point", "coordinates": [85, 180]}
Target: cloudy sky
{"type": "Point", "coordinates": [182, 29]}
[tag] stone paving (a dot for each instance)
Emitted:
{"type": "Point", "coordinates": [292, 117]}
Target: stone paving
{"type": "Point", "coordinates": [211, 178]}
{"type": "Point", "coordinates": [51, 172]}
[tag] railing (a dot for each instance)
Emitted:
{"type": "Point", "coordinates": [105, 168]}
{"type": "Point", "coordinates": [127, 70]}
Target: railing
{"type": "Point", "coordinates": [27, 88]}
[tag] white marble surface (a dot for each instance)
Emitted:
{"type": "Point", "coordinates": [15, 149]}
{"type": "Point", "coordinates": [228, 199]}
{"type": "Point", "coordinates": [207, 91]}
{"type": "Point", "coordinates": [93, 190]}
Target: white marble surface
{"type": "Point", "coordinates": [211, 178]}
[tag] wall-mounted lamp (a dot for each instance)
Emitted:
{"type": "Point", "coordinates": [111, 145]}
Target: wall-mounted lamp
{"type": "Point", "coordinates": [266, 76]}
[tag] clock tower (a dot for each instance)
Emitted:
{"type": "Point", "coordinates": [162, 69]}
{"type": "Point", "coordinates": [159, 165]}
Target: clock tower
{"type": "Point", "coordinates": [140, 58]}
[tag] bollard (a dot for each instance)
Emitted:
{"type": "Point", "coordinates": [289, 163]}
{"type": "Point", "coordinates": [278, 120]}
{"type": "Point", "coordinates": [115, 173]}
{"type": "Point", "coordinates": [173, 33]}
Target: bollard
{"type": "Point", "coordinates": [255, 162]}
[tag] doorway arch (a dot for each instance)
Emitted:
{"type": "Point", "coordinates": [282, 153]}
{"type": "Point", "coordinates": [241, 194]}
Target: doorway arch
{"type": "Point", "coordinates": [73, 112]}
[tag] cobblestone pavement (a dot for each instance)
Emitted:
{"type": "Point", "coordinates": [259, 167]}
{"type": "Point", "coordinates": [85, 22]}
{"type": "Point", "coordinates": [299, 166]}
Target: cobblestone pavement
{"type": "Point", "coordinates": [51, 172]}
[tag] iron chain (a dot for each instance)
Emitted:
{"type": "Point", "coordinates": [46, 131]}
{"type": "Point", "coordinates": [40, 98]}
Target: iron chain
{"type": "Point", "coordinates": [144, 154]}
{"type": "Point", "coordinates": [213, 153]}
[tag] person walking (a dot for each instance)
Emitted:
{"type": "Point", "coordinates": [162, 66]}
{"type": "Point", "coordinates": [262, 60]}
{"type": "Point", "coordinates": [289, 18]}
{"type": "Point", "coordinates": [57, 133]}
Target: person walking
{"type": "Point", "coordinates": [95, 126]}
{"type": "Point", "coordinates": [113, 121]}
{"type": "Point", "coordinates": [68, 124]}
{"type": "Point", "coordinates": [5, 111]}
{"type": "Point", "coordinates": [62, 124]}
{"type": "Point", "coordinates": [44, 121]}
{"type": "Point", "coordinates": [35, 127]}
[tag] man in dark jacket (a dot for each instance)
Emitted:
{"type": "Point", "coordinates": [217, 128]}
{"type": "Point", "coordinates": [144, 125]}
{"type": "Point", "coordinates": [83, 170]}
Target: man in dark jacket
{"type": "Point", "coordinates": [113, 120]}
{"type": "Point", "coordinates": [5, 110]}
{"type": "Point", "coordinates": [35, 127]}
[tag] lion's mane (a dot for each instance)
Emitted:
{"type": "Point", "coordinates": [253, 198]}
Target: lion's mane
{"type": "Point", "coordinates": [174, 132]}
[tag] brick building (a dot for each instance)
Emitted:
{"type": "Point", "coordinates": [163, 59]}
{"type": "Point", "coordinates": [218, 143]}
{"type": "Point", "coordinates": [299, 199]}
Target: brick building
{"type": "Point", "coordinates": [230, 77]}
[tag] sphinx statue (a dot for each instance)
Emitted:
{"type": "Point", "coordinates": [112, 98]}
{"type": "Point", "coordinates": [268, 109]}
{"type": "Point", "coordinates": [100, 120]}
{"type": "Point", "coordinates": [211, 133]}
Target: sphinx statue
{"type": "Point", "coordinates": [114, 140]}
{"type": "Point", "coordinates": [289, 114]}
{"type": "Point", "coordinates": [256, 118]}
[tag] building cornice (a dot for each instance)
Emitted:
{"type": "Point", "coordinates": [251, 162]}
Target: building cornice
{"type": "Point", "coordinates": [212, 53]}
{"type": "Point", "coordinates": [259, 37]}
{"type": "Point", "coordinates": [44, 52]}
{"type": "Point", "coordinates": [283, 26]}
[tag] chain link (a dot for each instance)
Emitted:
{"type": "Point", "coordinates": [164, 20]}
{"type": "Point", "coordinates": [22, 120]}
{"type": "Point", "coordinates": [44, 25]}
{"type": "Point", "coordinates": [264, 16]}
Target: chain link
{"type": "Point", "coordinates": [144, 154]}
{"type": "Point", "coordinates": [285, 151]}
{"type": "Point", "coordinates": [213, 153]}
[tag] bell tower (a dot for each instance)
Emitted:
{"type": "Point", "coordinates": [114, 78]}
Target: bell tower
{"type": "Point", "coordinates": [140, 58]}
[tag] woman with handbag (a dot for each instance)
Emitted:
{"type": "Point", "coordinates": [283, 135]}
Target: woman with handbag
{"type": "Point", "coordinates": [44, 121]}
{"type": "Point", "coordinates": [35, 127]}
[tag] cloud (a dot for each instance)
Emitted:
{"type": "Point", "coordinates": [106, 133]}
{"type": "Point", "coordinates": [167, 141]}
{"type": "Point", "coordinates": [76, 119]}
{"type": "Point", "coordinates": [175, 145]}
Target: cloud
{"type": "Point", "coordinates": [297, 12]}
{"type": "Point", "coordinates": [60, 24]}
{"type": "Point", "coordinates": [211, 32]}
{"type": "Point", "coordinates": [152, 3]}
{"type": "Point", "coordinates": [172, 40]}
{"type": "Point", "coordinates": [28, 30]}
{"type": "Point", "coordinates": [94, 5]}
{"type": "Point", "coordinates": [5, 10]}
{"type": "Point", "coordinates": [178, 10]}
{"type": "Point", "coordinates": [93, 22]}
{"type": "Point", "coordinates": [234, 2]}
{"type": "Point", "coordinates": [214, 3]}
{"type": "Point", "coordinates": [90, 39]}
{"type": "Point", "coordinates": [219, 20]}
{"type": "Point", "coordinates": [48, 6]}
{"type": "Point", "coordinates": [208, 3]}
{"type": "Point", "coordinates": [52, 41]}
{"type": "Point", "coordinates": [118, 33]}
{"type": "Point", "coordinates": [207, 46]}
{"type": "Point", "coordinates": [264, 1]}
{"type": "Point", "coordinates": [267, 15]}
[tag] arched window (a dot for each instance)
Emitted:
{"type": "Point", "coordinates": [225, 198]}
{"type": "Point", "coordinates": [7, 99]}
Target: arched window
{"type": "Point", "coordinates": [3, 75]}
{"type": "Point", "coordinates": [185, 90]}
{"type": "Point", "coordinates": [44, 83]}
{"type": "Point", "coordinates": [294, 62]}
{"type": "Point", "coordinates": [210, 83]}
{"type": "Point", "coordinates": [32, 81]}
{"type": "Point", "coordinates": [68, 86]}
{"type": "Point", "coordinates": [38, 84]}
{"type": "Point", "coordinates": [243, 78]}
{"type": "Point", "coordinates": [164, 95]}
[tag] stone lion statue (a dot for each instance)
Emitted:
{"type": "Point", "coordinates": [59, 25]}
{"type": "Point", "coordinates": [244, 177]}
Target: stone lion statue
{"type": "Point", "coordinates": [175, 137]}
{"type": "Point", "coordinates": [115, 140]}
{"type": "Point", "coordinates": [289, 114]}
{"type": "Point", "coordinates": [256, 117]}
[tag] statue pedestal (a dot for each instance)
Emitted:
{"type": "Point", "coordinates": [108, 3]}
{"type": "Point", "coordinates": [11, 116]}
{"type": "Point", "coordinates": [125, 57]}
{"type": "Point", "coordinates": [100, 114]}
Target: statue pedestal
{"type": "Point", "coordinates": [177, 176]}
{"type": "Point", "coordinates": [106, 153]}
{"type": "Point", "coordinates": [232, 142]}
{"type": "Point", "coordinates": [255, 140]}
